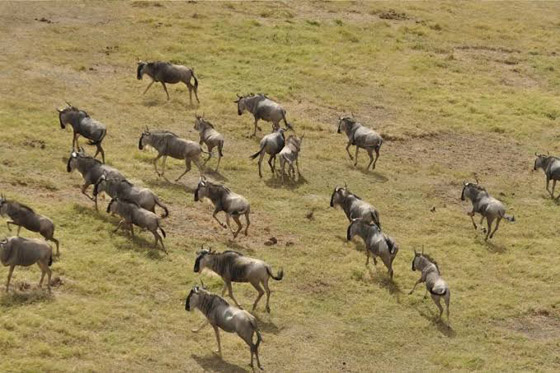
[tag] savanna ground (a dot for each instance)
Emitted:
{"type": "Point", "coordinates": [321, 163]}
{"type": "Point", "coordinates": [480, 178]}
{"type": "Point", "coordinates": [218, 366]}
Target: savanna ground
{"type": "Point", "coordinates": [455, 88]}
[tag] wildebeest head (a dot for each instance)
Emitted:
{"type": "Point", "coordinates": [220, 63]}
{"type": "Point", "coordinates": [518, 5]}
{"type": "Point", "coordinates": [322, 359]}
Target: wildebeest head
{"type": "Point", "coordinates": [4, 242]}
{"type": "Point", "coordinates": [241, 107]}
{"type": "Point", "coordinates": [192, 299]}
{"type": "Point", "coordinates": [200, 262]}
{"type": "Point", "coordinates": [338, 195]}
{"type": "Point", "coordinates": [201, 189]}
{"type": "Point", "coordinates": [140, 70]}
{"type": "Point", "coordinates": [111, 208]}
{"type": "Point", "coordinates": [143, 138]}
{"type": "Point", "coordinates": [415, 260]}
{"type": "Point", "coordinates": [63, 114]}
{"type": "Point", "coordinates": [469, 189]}
{"type": "Point", "coordinates": [540, 161]}
{"type": "Point", "coordinates": [3, 205]}
{"type": "Point", "coordinates": [72, 161]}
{"type": "Point", "coordinates": [345, 123]}
{"type": "Point", "coordinates": [200, 124]}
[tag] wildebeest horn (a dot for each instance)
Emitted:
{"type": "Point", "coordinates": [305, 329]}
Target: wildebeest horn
{"type": "Point", "coordinates": [67, 103]}
{"type": "Point", "coordinates": [59, 110]}
{"type": "Point", "coordinates": [238, 95]}
{"type": "Point", "coordinates": [345, 185]}
{"type": "Point", "coordinates": [422, 249]}
{"type": "Point", "coordinates": [415, 252]}
{"type": "Point", "coordinates": [352, 114]}
{"type": "Point", "coordinates": [547, 153]}
{"type": "Point", "coordinates": [202, 283]}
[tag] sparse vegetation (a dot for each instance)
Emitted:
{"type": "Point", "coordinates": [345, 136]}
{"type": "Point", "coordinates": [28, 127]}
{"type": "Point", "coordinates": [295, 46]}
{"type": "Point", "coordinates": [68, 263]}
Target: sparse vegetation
{"type": "Point", "coordinates": [472, 89]}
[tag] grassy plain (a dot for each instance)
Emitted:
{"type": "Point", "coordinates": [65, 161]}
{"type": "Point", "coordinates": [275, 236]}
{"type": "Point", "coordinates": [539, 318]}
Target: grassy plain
{"type": "Point", "coordinates": [455, 88]}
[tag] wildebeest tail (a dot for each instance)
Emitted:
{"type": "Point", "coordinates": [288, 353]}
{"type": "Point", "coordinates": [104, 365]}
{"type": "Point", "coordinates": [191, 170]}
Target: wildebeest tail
{"type": "Point", "coordinates": [50, 260]}
{"type": "Point", "coordinates": [288, 125]}
{"type": "Point", "coordinates": [195, 79]}
{"type": "Point", "coordinates": [162, 231]}
{"type": "Point", "coordinates": [98, 141]}
{"type": "Point", "coordinates": [259, 152]}
{"type": "Point", "coordinates": [278, 277]}
{"type": "Point", "coordinates": [166, 211]}
{"type": "Point", "coordinates": [259, 339]}
{"type": "Point", "coordinates": [379, 145]}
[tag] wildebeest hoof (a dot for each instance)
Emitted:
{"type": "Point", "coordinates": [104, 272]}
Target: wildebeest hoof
{"type": "Point", "coordinates": [268, 309]}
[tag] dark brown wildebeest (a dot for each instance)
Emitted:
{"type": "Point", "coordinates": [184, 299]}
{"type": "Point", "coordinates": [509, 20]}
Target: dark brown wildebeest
{"type": "Point", "coordinates": [165, 72]}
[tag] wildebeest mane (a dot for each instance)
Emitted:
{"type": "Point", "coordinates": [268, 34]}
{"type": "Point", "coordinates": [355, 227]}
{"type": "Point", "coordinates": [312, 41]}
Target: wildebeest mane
{"type": "Point", "coordinates": [209, 301]}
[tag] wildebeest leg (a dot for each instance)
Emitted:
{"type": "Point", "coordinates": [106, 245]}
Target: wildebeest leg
{"type": "Point", "coordinates": [267, 289]}
{"type": "Point", "coordinates": [8, 224]}
{"type": "Point", "coordinates": [217, 331]}
{"type": "Point", "coordinates": [18, 230]}
{"type": "Point", "coordinates": [131, 226]}
{"type": "Point", "coordinates": [416, 284]}
{"type": "Point", "coordinates": [257, 286]}
{"type": "Point", "coordinates": [471, 214]}
{"type": "Point", "coordinates": [489, 220]}
{"type": "Point", "coordinates": [348, 151]}
{"type": "Point", "coordinates": [356, 157]}
{"type": "Point", "coordinates": [553, 186]}
{"type": "Point", "coordinates": [190, 93]}
{"type": "Point", "coordinates": [437, 301]}
{"type": "Point", "coordinates": [148, 87]}
{"type": "Point", "coordinates": [206, 322]}
{"type": "Point", "coordinates": [270, 163]}
{"type": "Point", "coordinates": [84, 188]}
{"type": "Point", "coordinates": [376, 158]}
{"type": "Point", "coordinates": [188, 168]}
{"type": "Point", "coordinates": [9, 277]}
{"type": "Point", "coordinates": [165, 88]}
{"type": "Point", "coordinates": [224, 290]}
{"type": "Point", "coordinates": [370, 153]}
{"type": "Point", "coordinates": [367, 257]}
{"type": "Point", "coordinates": [248, 223]}
{"type": "Point", "coordinates": [100, 150]}
{"type": "Point", "coordinates": [297, 166]}
{"type": "Point", "coordinates": [219, 160]}
{"type": "Point", "coordinates": [446, 298]}
{"type": "Point", "coordinates": [282, 167]}
{"type": "Point", "coordinates": [214, 215]}
{"type": "Point", "coordinates": [239, 226]}
{"type": "Point", "coordinates": [230, 292]}
{"type": "Point", "coordinates": [256, 127]}
{"type": "Point", "coordinates": [42, 274]}
{"type": "Point", "coordinates": [496, 227]}
{"type": "Point", "coordinates": [155, 164]}
{"type": "Point", "coordinates": [119, 225]}
{"type": "Point", "coordinates": [260, 162]}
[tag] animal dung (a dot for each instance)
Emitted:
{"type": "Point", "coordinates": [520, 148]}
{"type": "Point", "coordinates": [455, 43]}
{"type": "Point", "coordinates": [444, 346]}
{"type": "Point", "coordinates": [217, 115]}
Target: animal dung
{"type": "Point", "coordinates": [271, 241]}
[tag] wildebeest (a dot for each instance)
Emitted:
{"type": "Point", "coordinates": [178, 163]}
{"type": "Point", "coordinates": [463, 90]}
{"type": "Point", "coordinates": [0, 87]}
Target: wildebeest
{"type": "Point", "coordinates": [221, 315]}
{"type": "Point", "coordinates": [435, 284]}
{"type": "Point", "coordinates": [353, 206]}
{"type": "Point", "coordinates": [210, 137]}
{"type": "Point", "coordinates": [290, 154]}
{"type": "Point", "coordinates": [271, 144]}
{"type": "Point", "coordinates": [232, 204]}
{"type": "Point", "coordinates": [18, 251]}
{"type": "Point", "coordinates": [24, 216]}
{"type": "Point", "coordinates": [486, 205]}
{"type": "Point", "coordinates": [169, 144]}
{"type": "Point", "coordinates": [377, 242]}
{"type": "Point", "coordinates": [165, 72]}
{"type": "Point", "coordinates": [361, 137]}
{"type": "Point", "coordinates": [132, 214]}
{"type": "Point", "coordinates": [235, 267]}
{"type": "Point", "coordinates": [83, 125]}
{"type": "Point", "coordinates": [262, 108]}
{"type": "Point", "coordinates": [90, 169]}
{"type": "Point", "coordinates": [123, 189]}
{"type": "Point", "coordinates": [551, 167]}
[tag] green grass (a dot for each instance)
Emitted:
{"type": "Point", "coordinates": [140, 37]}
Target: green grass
{"type": "Point", "coordinates": [457, 88]}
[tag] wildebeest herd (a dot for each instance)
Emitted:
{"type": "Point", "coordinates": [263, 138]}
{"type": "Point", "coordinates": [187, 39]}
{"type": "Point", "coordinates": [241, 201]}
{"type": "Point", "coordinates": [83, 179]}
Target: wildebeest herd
{"type": "Point", "coordinates": [136, 206]}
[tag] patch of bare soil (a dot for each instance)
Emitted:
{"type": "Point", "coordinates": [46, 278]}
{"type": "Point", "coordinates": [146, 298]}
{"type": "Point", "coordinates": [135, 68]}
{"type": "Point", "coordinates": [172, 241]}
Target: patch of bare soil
{"type": "Point", "coordinates": [317, 286]}
{"type": "Point", "coordinates": [540, 325]}
{"type": "Point", "coordinates": [486, 154]}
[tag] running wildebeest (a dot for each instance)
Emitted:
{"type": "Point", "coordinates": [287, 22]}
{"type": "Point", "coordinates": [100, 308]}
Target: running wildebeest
{"type": "Point", "coordinates": [91, 170]}
{"type": "Point", "coordinates": [353, 206]}
{"type": "Point", "coordinates": [377, 242]}
{"type": "Point", "coordinates": [169, 144]}
{"type": "Point", "coordinates": [262, 108]}
{"type": "Point", "coordinates": [18, 251]}
{"type": "Point", "coordinates": [221, 315]}
{"type": "Point", "coordinates": [290, 154]}
{"type": "Point", "coordinates": [551, 167]}
{"type": "Point", "coordinates": [235, 267]}
{"type": "Point", "coordinates": [232, 204]}
{"type": "Point", "coordinates": [123, 189]}
{"type": "Point", "coordinates": [24, 216]}
{"type": "Point", "coordinates": [435, 284]}
{"type": "Point", "coordinates": [486, 205]}
{"type": "Point", "coordinates": [132, 214]}
{"type": "Point", "coordinates": [83, 125]}
{"type": "Point", "coordinates": [361, 137]}
{"type": "Point", "coordinates": [210, 137]}
{"type": "Point", "coordinates": [271, 144]}
{"type": "Point", "coordinates": [165, 72]}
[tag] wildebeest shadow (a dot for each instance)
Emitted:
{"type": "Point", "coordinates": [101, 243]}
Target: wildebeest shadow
{"type": "Point", "coordinates": [163, 183]}
{"type": "Point", "coordinates": [443, 328]}
{"type": "Point", "coordinates": [214, 363]}
{"type": "Point", "coordinates": [99, 215]}
{"type": "Point", "coordinates": [139, 244]}
{"type": "Point", "coordinates": [289, 183]}
{"type": "Point", "coordinates": [21, 298]}
{"type": "Point", "coordinates": [495, 248]}
{"type": "Point", "coordinates": [383, 280]}
{"type": "Point", "coordinates": [234, 245]}
{"type": "Point", "coordinates": [267, 326]}
{"type": "Point", "coordinates": [151, 102]}
{"type": "Point", "coordinates": [216, 175]}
